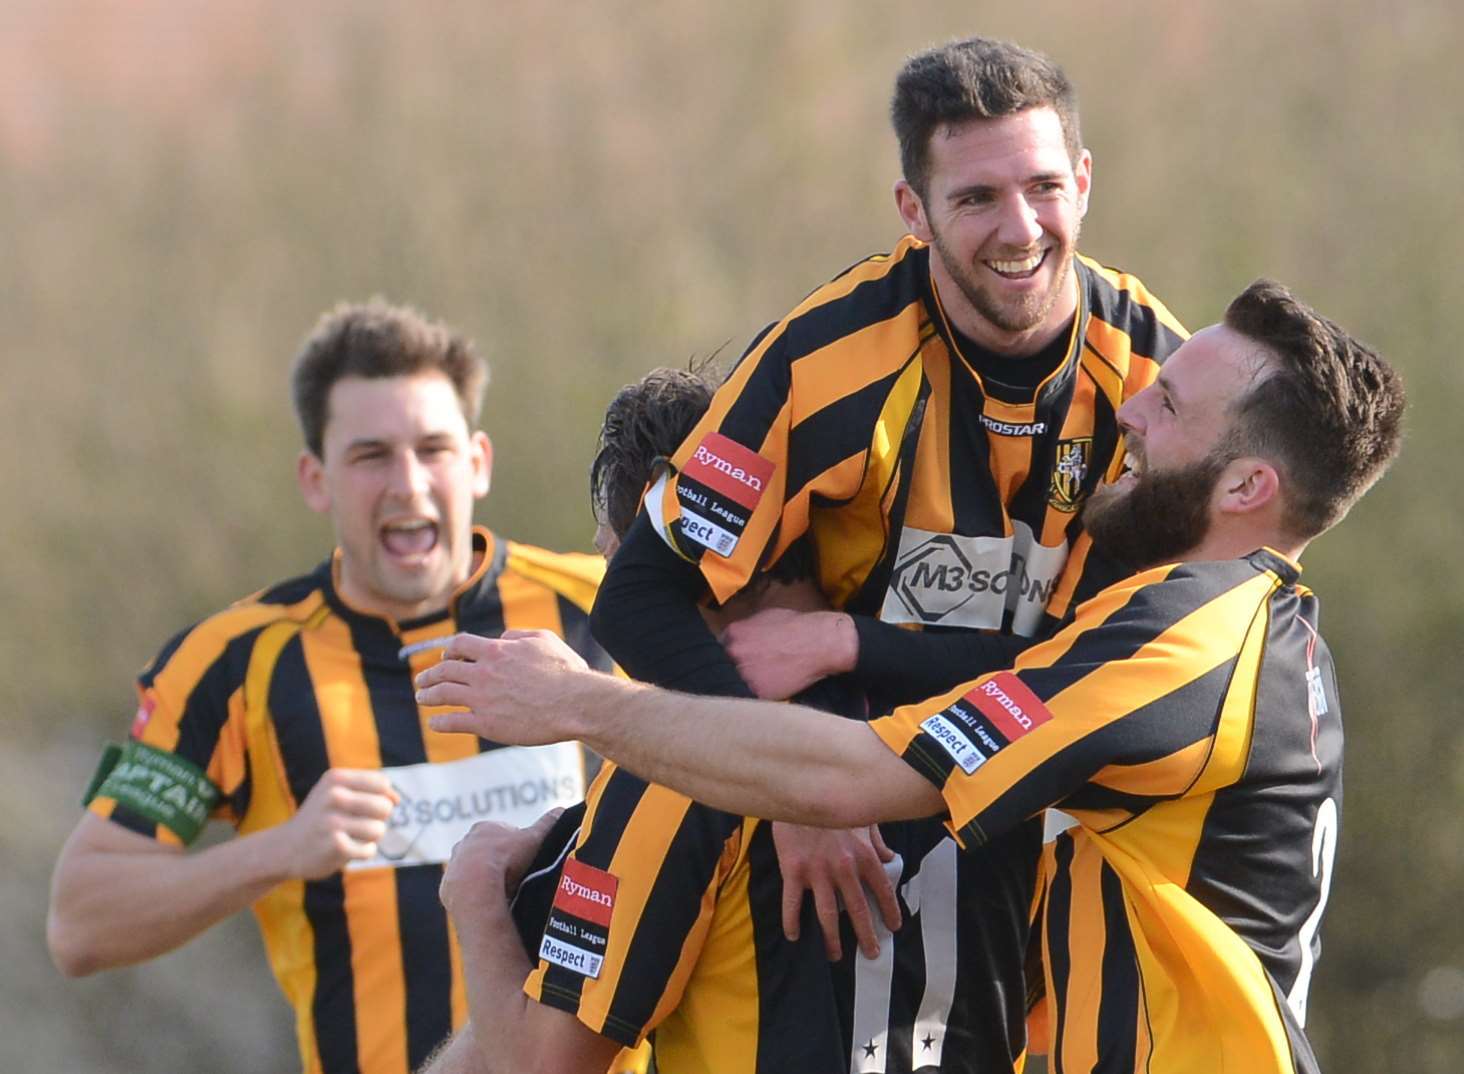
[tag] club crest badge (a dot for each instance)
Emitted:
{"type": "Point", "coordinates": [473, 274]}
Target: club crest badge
{"type": "Point", "coordinates": [1068, 472]}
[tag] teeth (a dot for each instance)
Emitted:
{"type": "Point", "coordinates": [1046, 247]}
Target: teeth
{"type": "Point", "coordinates": [1014, 267]}
{"type": "Point", "coordinates": [409, 526]}
{"type": "Point", "coordinates": [1131, 462]}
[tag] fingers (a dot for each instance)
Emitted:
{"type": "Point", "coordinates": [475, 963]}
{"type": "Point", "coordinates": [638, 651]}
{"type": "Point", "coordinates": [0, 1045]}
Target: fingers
{"type": "Point", "coordinates": [877, 884]}
{"type": "Point", "coordinates": [458, 722]}
{"type": "Point", "coordinates": [826, 909]}
{"type": "Point", "coordinates": [861, 920]}
{"type": "Point", "coordinates": [876, 840]}
{"type": "Point", "coordinates": [792, 907]}
{"type": "Point", "coordinates": [361, 781]}
{"type": "Point", "coordinates": [456, 694]}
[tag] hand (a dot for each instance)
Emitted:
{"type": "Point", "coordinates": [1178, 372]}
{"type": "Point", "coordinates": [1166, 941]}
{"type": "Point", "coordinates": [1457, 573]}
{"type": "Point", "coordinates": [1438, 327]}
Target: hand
{"type": "Point", "coordinates": [340, 821]}
{"type": "Point", "coordinates": [513, 687]}
{"type": "Point", "coordinates": [836, 865]}
{"type": "Point", "coordinates": [779, 652]}
{"type": "Point", "coordinates": [492, 857]}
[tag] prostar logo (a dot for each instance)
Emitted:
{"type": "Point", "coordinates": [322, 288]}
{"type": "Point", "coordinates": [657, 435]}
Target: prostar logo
{"type": "Point", "coordinates": [1013, 428]}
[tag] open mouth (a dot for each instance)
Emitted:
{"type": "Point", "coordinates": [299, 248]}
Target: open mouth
{"type": "Point", "coordinates": [1019, 268]}
{"type": "Point", "coordinates": [409, 538]}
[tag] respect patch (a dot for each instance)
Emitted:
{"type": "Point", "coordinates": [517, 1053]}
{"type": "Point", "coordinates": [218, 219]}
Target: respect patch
{"type": "Point", "coordinates": [158, 785]}
{"type": "Point", "coordinates": [987, 718]}
{"type": "Point", "coordinates": [577, 931]}
{"type": "Point", "coordinates": [718, 490]}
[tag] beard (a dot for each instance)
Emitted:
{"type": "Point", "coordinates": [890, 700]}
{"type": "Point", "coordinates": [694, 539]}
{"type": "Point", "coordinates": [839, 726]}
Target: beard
{"type": "Point", "coordinates": [1159, 518]}
{"type": "Point", "coordinates": [1013, 314]}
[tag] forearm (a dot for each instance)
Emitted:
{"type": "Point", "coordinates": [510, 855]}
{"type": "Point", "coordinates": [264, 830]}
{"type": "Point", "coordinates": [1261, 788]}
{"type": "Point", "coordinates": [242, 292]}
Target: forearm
{"type": "Point", "coordinates": [113, 906]}
{"type": "Point", "coordinates": [905, 666]}
{"type": "Point", "coordinates": [495, 967]}
{"type": "Point", "coordinates": [763, 759]}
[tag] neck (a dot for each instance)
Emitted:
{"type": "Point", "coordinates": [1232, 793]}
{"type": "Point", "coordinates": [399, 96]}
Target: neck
{"type": "Point", "coordinates": [970, 322]}
{"type": "Point", "coordinates": [1233, 543]}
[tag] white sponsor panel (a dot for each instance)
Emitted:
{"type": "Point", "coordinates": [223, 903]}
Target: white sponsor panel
{"type": "Point", "coordinates": [440, 802]}
{"type": "Point", "coordinates": [954, 580]}
{"type": "Point", "coordinates": [954, 743]}
{"type": "Point", "coordinates": [706, 533]}
{"type": "Point", "coordinates": [577, 959]}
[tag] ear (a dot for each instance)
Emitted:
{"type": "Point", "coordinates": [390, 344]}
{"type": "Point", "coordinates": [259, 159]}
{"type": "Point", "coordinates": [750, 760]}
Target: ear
{"type": "Point", "coordinates": [912, 212]}
{"type": "Point", "coordinates": [310, 474]}
{"type": "Point", "coordinates": [481, 449]}
{"type": "Point", "coordinates": [1083, 174]}
{"type": "Point", "coordinates": [1248, 485]}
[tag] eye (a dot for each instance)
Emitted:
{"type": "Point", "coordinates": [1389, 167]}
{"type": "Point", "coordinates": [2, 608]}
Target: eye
{"type": "Point", "coordinates": [1167, 404]}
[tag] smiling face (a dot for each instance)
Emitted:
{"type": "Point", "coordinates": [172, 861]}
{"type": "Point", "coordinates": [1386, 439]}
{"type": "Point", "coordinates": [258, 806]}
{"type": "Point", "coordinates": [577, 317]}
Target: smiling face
{"type": "Point", "coordinates": [398, 473]}
{"type": "Point", "coordinates": [1175, 435]}
{"type": "Point", "coordinates": [1002, 208]}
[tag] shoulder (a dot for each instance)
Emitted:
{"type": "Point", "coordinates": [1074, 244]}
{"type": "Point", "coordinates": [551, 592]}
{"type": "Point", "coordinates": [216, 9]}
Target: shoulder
{"type": "Point", "coordinates": [572, 575]}
{"type": "Point", "coordinates": [228, 635]}
{"type": "Point", "coordinates": [1121, 301]}
{"type": "Point", "coordinates": [1202, 600]}
{"type": "Point", "coordinates": [872, 291]}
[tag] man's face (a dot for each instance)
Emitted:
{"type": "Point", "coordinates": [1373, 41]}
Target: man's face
{"type": "Point", "coordinates": [1175, 435]}
{"type": "Point", "coordinates": [1002, 209]}
{"type": "Point", "coordinates": [398, 477]}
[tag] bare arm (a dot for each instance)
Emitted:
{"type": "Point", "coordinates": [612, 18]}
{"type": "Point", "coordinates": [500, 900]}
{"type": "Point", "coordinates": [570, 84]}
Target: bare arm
{"type": "Point", "coordinates": [118, 897]}
{"type": "Point", "coordinates": [507, 1031]}
{"type": "Point", "coordinates": [756, 758]}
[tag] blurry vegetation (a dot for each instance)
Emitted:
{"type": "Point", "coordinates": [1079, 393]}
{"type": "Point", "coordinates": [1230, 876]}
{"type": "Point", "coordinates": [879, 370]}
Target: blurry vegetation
{"type": "Point", "coordinates": [589, 189]}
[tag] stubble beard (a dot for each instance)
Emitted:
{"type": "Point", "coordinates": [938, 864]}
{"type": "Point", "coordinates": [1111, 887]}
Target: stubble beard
{"type": "Point", "coordinates": [1014, 315]}
{"type": "Point", "coordinates": [1162, 516]}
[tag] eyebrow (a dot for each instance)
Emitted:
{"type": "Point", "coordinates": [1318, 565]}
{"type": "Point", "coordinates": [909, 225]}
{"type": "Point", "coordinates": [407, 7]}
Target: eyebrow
{"type": "Point", "coordinates": [988, 188]}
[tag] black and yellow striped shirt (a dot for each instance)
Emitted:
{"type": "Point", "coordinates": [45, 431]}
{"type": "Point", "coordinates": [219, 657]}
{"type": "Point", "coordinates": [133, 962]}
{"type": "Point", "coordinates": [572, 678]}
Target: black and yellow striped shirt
{"type": "Point", "coordinates": [931, 494]}
{"type": "Point", "coordinates": [1188, 719]}
{"type": "Point", "coordinates": [267, 695]}
{"type": "Point", "coordinates": [688, 943]}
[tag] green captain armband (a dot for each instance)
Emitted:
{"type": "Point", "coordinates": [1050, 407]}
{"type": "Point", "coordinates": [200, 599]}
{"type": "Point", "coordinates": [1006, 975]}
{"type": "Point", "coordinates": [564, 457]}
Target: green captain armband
{"type": "Point", "coordinates": [156, 784]}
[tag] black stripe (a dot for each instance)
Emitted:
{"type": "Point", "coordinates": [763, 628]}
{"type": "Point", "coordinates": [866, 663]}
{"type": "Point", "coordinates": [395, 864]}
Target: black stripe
{"type": "Point", "coordinates": [798, 1014]}
{"type": "Point", "coordinates": [1058, 925]}
{"type": "Point", "coordinates": [333, 1007]}
{"type": "Point", "coordinates": [753, 412]}
{"type": "Point", "coordinates": [976, 506]}
{"type": "Point", "coordinates": [296, 589]}
{"type": "Point", "coordinates": [1180, 718]}
{"type": "Point", "coordinates": [835, 433]}
{"type": "Point", "coordinates": [1149, 336]}
{"type": "Point", "coordinates": [421, 921]}
{"type": "Point", "coordinates": [296, 716]}
{"type": "Point", "coordinates": [1118, 1006]}
{"type": "Point", "coordinates": [575, 626]}
{"type": "Point", "coordinates": [1149, 611]}
{"type": "Point", "coordinates": [426, 960]}
{"type": "Point", "coordinates": [1029, 502]}
{"type": "Point", "coordinates": [207, 708]}
{"type": "Point", "coordinates": [480, 609]}
{"type": "Point", "coordinates": [619, 799]}
{"type": "Point", "coordinates": [150, 673]}
{"type": "Point", "coordinates": [670, 911]}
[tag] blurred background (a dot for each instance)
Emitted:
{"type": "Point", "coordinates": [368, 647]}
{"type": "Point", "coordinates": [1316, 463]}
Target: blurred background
{"type": "Point", "coordinates": [591, 189]}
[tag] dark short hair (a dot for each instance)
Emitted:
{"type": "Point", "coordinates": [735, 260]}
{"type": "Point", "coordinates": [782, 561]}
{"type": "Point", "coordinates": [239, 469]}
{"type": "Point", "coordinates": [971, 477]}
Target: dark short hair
{"type": "Point", "coordinates": [376, 339]}
{"type": "Point", "coordinates": [645, 422]}
{"type": "Point", "coordinates": [976, 78]}
{"type": "Point", "coordinates": [1328, 410]}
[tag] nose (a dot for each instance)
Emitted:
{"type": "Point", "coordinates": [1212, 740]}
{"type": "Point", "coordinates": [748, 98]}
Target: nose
{"type": "Point", "coordinates": [408, 475]}
{"type": "Point", "coordinates": [1019, 225]}
{"type": "Point", "coordinates": [1130, 414]}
